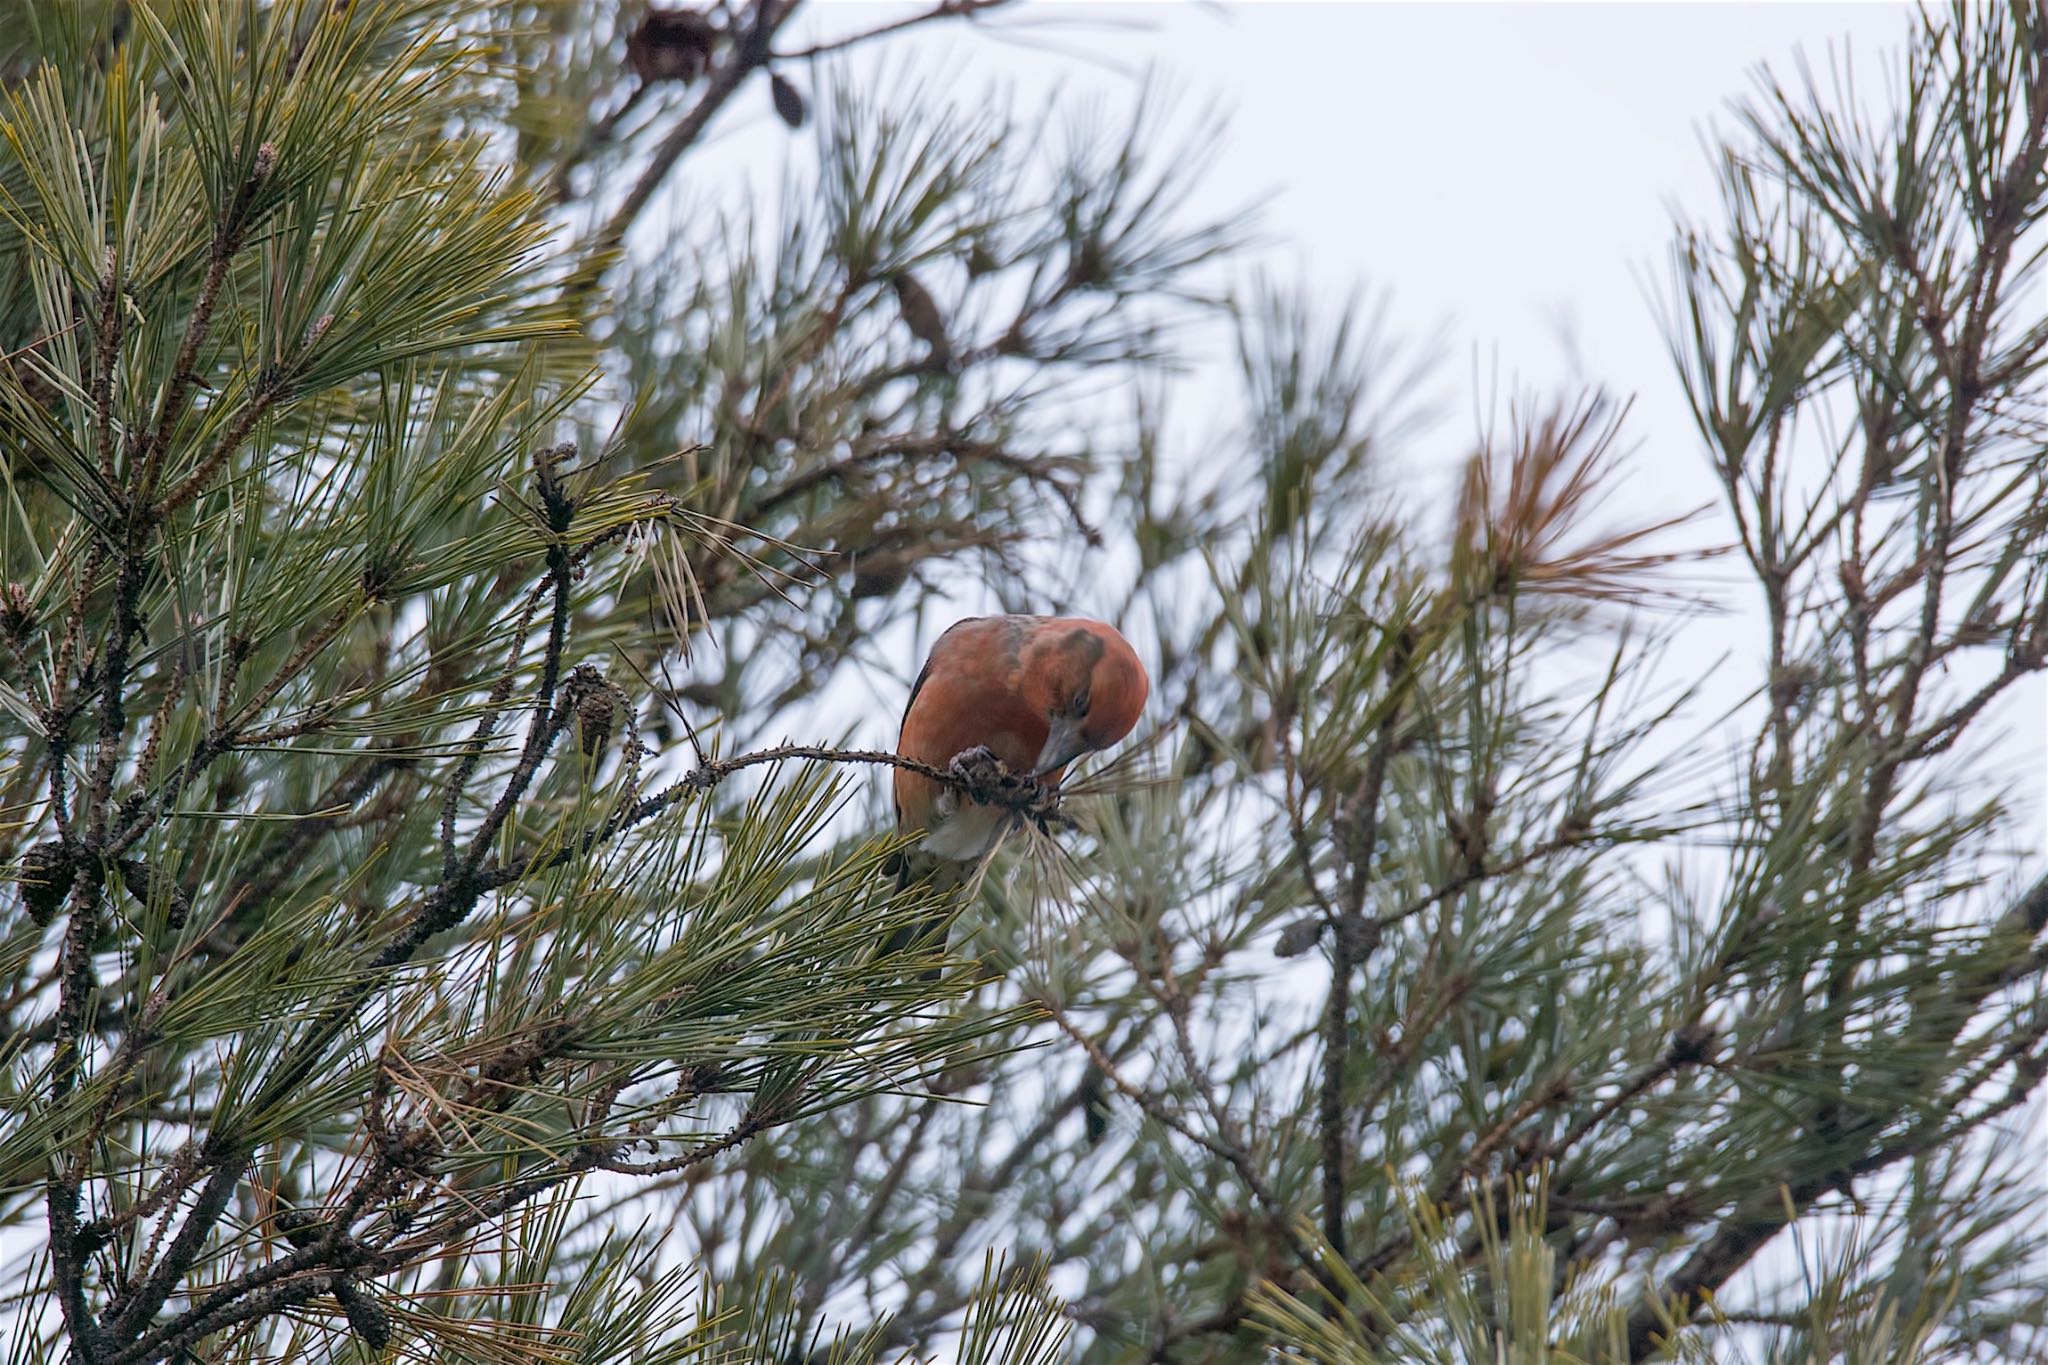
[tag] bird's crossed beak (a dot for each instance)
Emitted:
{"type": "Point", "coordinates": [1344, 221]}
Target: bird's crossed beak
{"type": "Point", "coordinates": [1063, 744]}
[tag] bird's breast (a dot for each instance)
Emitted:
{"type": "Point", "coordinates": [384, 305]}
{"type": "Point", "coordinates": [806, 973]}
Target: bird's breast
{"type": "Point", "coordinates": [966, 832]}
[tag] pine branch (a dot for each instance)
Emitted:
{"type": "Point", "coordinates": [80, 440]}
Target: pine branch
{"type": "Point", "coordinates": [752, 52]}
{"type": "Point", "coordinates": [1738, 1237]}
{"type": "Point", "coordinates": [1353, 942]}
{"type": "Point", "coordinates": [945, 9]}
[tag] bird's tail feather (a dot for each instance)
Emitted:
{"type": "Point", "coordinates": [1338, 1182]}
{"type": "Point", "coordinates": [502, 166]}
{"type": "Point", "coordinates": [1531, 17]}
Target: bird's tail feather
{"type": "Point", "coordinates": [955, 881]}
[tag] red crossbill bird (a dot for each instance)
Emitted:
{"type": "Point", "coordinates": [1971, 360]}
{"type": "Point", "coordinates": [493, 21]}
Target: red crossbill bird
{"type": "Point", "coordinates": [1035, 692]}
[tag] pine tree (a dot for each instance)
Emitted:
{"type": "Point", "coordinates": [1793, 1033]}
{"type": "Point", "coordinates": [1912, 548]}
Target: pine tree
{"type": "Point", "coordinates": [357, 928]}
{"type": "Point", "coordinates": [420, 536]}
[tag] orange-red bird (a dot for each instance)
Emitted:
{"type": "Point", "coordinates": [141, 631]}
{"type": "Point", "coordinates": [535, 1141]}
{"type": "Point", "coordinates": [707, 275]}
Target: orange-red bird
{"type": "Point", "coordinates": [1037, 692]}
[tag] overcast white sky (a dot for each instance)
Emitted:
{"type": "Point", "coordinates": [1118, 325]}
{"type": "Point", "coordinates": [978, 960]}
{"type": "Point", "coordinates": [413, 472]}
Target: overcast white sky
{"type": "Point", "coordinates": [1506, 173]}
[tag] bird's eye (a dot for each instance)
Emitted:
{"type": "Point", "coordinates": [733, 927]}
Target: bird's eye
{"type": "Point", "coordinates": [1079, 705]}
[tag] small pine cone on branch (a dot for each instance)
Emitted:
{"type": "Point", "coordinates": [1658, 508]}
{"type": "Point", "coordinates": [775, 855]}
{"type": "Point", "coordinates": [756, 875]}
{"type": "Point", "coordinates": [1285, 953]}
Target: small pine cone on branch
{"type": "Point", "coordinates": [670, 45]}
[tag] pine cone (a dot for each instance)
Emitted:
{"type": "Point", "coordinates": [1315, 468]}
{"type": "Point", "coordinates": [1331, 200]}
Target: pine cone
{"type": "Point", "coordinates": [670, 45]}
{"type": "Point", "coordinates": [595, 715]}
{"type": "Point", "coordinates": [789, 102]}
{"type": "Point", "coordinates": [367, 1318]}
{"type": "Point", "coordinates": [46, 877]}
{"type": "Point", "coordinates": [17, 611]}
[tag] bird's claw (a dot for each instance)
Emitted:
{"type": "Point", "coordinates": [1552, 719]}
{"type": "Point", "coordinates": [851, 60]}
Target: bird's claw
{"type": "Point", "coordinates": [979, 766]}
{"type": "Point", "coordinates": [985, 777]}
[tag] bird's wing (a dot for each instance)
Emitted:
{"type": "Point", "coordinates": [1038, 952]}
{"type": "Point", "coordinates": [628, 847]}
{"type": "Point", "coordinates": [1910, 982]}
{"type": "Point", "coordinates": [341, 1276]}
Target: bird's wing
{"type": "Point", "coordinates": [923, 676]}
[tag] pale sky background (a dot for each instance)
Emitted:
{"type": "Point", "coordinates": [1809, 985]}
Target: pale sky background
{"type": "Point", "coordinates": [1506, 174]}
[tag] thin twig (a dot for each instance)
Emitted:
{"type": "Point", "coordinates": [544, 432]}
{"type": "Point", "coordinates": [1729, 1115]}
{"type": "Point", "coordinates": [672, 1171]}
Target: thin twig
{"type": "Point", "coordinates": [747, 56]}
{"type": "Point", "coordinates": [945, 9]}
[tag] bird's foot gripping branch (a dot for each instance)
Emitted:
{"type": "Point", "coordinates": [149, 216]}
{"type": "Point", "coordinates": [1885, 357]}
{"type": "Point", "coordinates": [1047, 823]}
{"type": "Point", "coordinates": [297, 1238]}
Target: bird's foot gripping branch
{"type": "Point", "coordinates": [980, 776]}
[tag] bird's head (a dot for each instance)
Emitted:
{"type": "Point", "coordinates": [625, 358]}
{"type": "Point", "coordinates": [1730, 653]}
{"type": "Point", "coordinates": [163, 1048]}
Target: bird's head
{"type": "Point", "coordinates": [1085, 679]}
